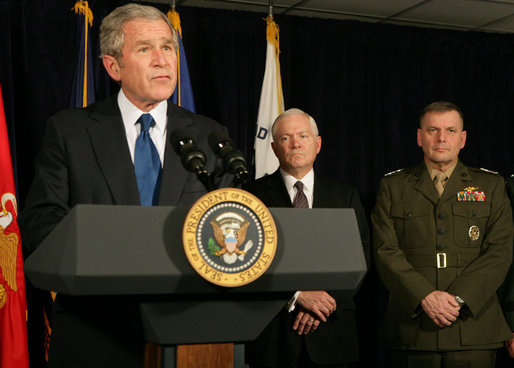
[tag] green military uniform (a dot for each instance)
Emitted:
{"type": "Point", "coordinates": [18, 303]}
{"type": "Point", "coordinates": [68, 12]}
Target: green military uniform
{"type": "Point", "coordinates": [460, 243]}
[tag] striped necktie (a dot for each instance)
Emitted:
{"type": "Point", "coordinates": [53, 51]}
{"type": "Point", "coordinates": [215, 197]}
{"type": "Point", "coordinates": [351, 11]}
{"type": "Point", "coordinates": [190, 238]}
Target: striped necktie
{"type": "Point", "coordinates": [300, 200]}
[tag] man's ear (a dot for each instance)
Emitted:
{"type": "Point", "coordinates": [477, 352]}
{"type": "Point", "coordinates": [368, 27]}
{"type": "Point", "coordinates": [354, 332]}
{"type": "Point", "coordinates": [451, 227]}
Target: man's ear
{"type": "Point", "coordinates": [112, 66]}
{"type": "Point", "coordinates": [274, 148]}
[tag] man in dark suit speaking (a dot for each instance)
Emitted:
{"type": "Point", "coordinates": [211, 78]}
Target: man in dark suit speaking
{"type": "Point", "coordinates": [317, 328]}
{"type": "Point", "coordinates": [115, 152]}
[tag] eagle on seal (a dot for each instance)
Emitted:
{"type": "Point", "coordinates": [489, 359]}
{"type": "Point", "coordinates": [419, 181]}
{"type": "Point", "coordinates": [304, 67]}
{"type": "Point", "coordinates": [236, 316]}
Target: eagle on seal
{"type": "Point", "coordinates": [230, 233]}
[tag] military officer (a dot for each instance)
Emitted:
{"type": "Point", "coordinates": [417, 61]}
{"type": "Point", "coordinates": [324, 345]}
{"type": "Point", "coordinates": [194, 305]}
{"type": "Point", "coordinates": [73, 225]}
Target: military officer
{"type": "Point", "coordinates": [443, 245]}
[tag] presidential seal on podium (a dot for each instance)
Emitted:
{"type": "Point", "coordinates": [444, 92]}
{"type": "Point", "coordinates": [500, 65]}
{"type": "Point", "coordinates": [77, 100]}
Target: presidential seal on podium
{"type": "Point", "coordinates": [229, 237]}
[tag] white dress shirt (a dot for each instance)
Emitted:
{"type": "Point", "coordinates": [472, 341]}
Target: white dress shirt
{"type": "Point", "coordinates": [130, 114]}
{"type": "Point", "coordinates": [308, 185]}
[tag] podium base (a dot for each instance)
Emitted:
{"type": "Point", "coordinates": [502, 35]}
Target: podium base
{"type": "Point", "coordinates": [205, 356]}
{"type": "Point", "coordinates": [225, 355]}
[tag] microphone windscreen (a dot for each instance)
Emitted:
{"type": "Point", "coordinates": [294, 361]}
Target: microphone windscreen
{"type": "Point", "coordinates": [217, 140]}
{"type": "Point", "coordinates": [179, 137]}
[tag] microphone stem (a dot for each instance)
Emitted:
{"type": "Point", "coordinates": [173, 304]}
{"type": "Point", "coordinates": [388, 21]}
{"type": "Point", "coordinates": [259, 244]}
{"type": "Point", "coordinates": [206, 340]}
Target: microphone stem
{"type": "Point", "coordinates": [205, 179]}
{"type": "Point", "coordinates": [240, 178]}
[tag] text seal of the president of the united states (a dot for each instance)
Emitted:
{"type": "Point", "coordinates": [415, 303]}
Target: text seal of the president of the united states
{"type": "Point", "coordinates": [229, 237]}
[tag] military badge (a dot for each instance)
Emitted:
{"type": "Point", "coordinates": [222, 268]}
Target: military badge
{"type": "Point", "coordinates": [470, 194]}
{"type": "Point", "coordinates": [474, 232]}
{"type": "Point", "coordinates": [229, 237]}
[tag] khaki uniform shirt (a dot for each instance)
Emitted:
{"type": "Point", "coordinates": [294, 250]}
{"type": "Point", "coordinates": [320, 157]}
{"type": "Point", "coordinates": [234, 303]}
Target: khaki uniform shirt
{"type": "Point", "coordinates": [460, 243]}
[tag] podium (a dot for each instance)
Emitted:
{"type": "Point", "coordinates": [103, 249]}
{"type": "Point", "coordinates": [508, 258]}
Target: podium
{"type": "Point", "coordinates": [134, 250]}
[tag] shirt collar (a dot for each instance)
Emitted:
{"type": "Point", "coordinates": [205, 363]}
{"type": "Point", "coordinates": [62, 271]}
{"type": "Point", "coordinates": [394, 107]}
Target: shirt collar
{"type": "Point", "coordinates": [434, 172]}
{"type": "Point", "coordinates": [290, 180]}
{"type": "Point", "coordinates": [130, 114]}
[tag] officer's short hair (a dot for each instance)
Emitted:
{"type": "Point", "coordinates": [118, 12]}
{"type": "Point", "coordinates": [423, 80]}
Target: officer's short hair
{"type": "Point", "coordinates": [440, 106]}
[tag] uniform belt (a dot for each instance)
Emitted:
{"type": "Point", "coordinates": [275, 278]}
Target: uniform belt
{"type": "Point", "coordinates": [441, 260]}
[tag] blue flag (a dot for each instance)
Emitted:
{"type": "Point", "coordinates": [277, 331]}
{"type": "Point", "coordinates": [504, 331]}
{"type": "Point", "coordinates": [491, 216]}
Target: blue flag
{"type": "Point", "coordinates": [83, 90]}
{"type": "Point", "coordinates": [183, 94]}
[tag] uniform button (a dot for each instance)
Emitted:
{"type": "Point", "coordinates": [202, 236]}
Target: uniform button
{"type": "Point", "coordinates": [440, 247]}
{"type": "Point", "coordinates": [473, 214]}
{"type": "Point", "coordinates": [440, 231]}
{"type": "Point", "coordinates": [409, 214]}
{"type": "Point", "coordinates": [441, 216]}
{"type": "Point", "coordinates": [463, 175]}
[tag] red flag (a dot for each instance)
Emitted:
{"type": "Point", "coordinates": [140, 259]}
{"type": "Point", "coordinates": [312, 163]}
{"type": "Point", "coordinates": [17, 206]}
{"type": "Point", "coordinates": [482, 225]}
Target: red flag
{"type": "Point", "coordinates": [13, 305]}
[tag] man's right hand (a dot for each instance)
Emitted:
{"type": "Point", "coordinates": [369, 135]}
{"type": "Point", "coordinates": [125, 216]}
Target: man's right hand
{"type": "Point", "coordinates": [318, 302]}
{"type": "Point", "coordinates": [441, 307]}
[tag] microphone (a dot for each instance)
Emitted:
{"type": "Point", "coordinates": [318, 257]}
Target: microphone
{"type": "Point", "coordinates": [193, 159]}
{"type": "Point", "coordinates": [232, 159]}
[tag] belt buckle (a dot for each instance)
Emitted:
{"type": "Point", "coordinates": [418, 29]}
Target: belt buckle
{"type": "Point", "coordinates": [441, 260]}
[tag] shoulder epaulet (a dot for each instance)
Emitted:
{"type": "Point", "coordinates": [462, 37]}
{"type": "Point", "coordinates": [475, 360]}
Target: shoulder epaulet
{"type": "Point", "coordinates": [489, 171]}
{"type": "Point", "coordinates": [394, 172]}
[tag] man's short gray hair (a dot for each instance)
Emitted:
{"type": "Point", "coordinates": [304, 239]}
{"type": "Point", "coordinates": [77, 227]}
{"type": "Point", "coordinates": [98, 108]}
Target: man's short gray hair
{"type": "Point", "coordinates": [439, 107]}
{"type": "Point", "coordinates": [111, 29]}
{"type": "Point", "coordinates": [294, 111]}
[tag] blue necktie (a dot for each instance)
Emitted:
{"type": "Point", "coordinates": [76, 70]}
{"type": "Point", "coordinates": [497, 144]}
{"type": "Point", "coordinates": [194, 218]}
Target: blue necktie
{"type": "Point", "coordinates": [147, 164]}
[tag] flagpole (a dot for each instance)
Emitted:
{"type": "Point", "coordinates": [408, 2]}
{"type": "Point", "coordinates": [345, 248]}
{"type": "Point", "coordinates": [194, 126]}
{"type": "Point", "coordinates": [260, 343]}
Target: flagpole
{"type": "Point", "coordinates": [270, 10]}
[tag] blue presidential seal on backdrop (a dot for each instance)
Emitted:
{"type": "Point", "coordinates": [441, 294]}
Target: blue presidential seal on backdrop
{"type": "Point", "coordinates": [229, 237]}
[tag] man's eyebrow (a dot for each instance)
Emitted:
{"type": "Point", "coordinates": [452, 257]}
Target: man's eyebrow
{"type": "Point", "coordinates": [149, 42]}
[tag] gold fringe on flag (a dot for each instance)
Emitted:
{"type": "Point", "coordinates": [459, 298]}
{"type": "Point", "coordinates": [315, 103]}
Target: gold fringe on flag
{"type": "Point", "coordinates": [174, 18]}
{"type": "Point", "coordinates": [272, 35]}
{"type": "Point", "coordinates": [82, 7]}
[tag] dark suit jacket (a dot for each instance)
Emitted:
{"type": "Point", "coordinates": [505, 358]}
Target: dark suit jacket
{"type": "Point", "coordinates": [85, 159]}
{"type": "Point", "coordinates": [335, 342]}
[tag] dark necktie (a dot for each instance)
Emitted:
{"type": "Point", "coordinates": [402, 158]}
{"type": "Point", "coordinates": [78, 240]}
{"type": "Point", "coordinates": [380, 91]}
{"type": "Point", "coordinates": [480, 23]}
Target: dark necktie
{"type": "Point", "coordinates": [147, 163]}
{"type": "Point", "coordinates": [300, 200]}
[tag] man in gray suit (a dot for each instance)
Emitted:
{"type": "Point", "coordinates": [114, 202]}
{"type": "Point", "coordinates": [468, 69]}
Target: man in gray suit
{"type": "Point", "coordinates": [93, 156]}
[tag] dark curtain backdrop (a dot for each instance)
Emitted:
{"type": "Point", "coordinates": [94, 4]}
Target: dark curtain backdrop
{"type": "Point", "coordinates": [364, 84]}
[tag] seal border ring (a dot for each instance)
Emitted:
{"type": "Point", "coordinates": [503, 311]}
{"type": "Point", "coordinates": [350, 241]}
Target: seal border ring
{"type": "Point", "coordinates": [194, 219]}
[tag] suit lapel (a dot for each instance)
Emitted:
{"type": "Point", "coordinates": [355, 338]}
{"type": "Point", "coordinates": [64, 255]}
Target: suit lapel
{"type": "Point", "coordinates": [174, 176]}
{"type": "Point", "coordinates": [320, 199]}
{"type": "Point", "coordinates": [109, 142]}
{"type": "Point", "coordinates": [278, 191]}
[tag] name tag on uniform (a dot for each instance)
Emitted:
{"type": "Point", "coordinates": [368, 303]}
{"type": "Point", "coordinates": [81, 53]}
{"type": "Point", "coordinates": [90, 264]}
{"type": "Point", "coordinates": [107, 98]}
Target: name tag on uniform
{"type": "Point", "coordinates": [471, 194]}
